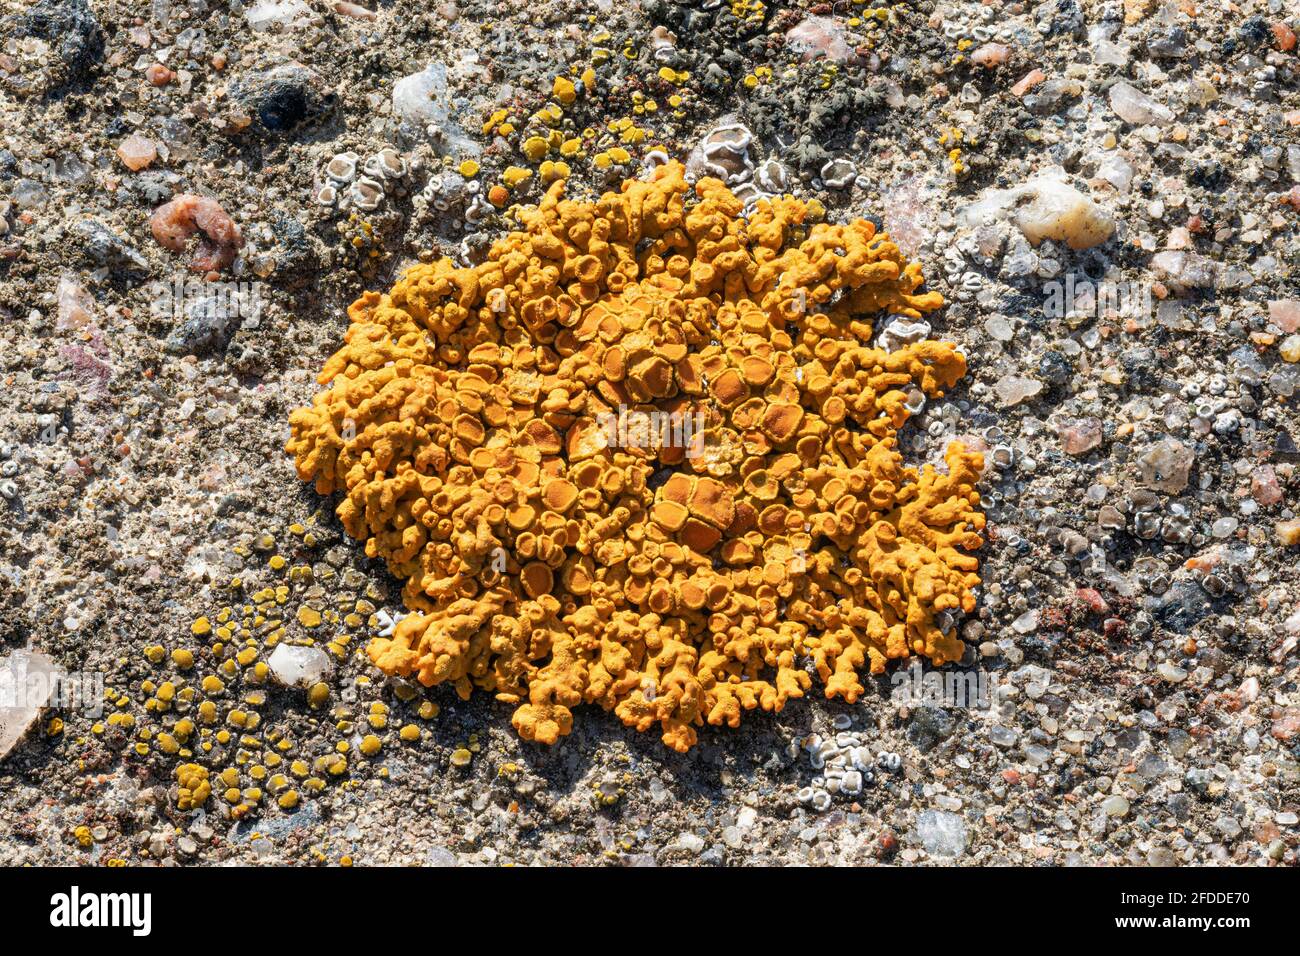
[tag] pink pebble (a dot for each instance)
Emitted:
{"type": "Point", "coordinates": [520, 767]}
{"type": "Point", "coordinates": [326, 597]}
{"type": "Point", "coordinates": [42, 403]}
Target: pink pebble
{"type": "Point", "coordinates": [1092, 597]}
{"type": "Point", "coordinates": [991, 55]}
{"type": "Point", "coordinates": [1081, 436]}
{"type": "Point", "coordinates": [820, 37]}
{"type": "Point", "coordinates": [1264, 487]}
{"type": "Point", "coordinates": [137, 152]}
{"type": "Point", "coordinates": [1285, 314]}
{"type": "Point", "coordinates": [174, 222]}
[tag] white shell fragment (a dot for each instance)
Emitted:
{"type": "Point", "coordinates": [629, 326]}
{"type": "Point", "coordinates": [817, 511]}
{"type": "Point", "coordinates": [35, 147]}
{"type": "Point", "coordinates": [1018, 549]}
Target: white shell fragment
{"type": "Point", "coordinates": [1045, 207]}
{"type": "Point", "coordinates": [902, 331]}
{"type": "Point", "coordinates": [299, 666]}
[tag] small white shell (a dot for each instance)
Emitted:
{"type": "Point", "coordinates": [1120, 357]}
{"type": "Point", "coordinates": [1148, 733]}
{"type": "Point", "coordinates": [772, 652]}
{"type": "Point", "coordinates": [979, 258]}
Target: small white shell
{"type": "Point", "coordinates": [839, 173]}
{"type": "Point", "coordinates": [342, 169]}
{"type": "Point", "coordinates": [387, 164]}
{"type": "Point", "coordinates": [731, 138]}
{"type": "Point", "coordinates": [365, 194]}
{"type": "Point", "coordinates": [903, 331]}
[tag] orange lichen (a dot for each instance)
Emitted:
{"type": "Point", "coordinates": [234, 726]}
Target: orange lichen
{"type": "Point", "coordinates": [645, 457]}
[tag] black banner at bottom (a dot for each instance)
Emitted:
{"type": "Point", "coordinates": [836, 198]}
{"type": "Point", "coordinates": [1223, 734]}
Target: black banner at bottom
{"type": "Point", "coordinates": [127, 904]}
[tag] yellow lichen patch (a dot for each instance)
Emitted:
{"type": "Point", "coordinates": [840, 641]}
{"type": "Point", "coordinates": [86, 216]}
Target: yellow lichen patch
{"type": "Point", "coordinates": [194, 786]}
{"type": "Point", "coordinates": [645, 457]}
{"type": "Point", "coordinates": [512, 176]}
{"type": "Point", "coordinates": [535, 148]}
{"type": "Point", "coordinates": [563, 90]}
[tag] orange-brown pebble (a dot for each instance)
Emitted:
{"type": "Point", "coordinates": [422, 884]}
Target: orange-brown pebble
{"type": "Point", "coordinates": [174, 222]}
{"type": "Point", "coordinates": [1284, 37]}
{"type": "Point", "coordinates": [353, 10]}
{"type": "Point", "coordinates": [1028, 82]}
{"type": "Point", "coordinates": [159, 75]}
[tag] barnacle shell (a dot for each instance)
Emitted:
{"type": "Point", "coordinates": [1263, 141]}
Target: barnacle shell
{"type": "Point", "coordinates": [839, 173]}
{"type": "Point", "coordinates": [365, 194]}
{"type": "Point", "coordinates": [902, 331]}
{"type": "Point", "coordinates": [385, 165]}
{"type": "Point", "coordinates": [342, 168]}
